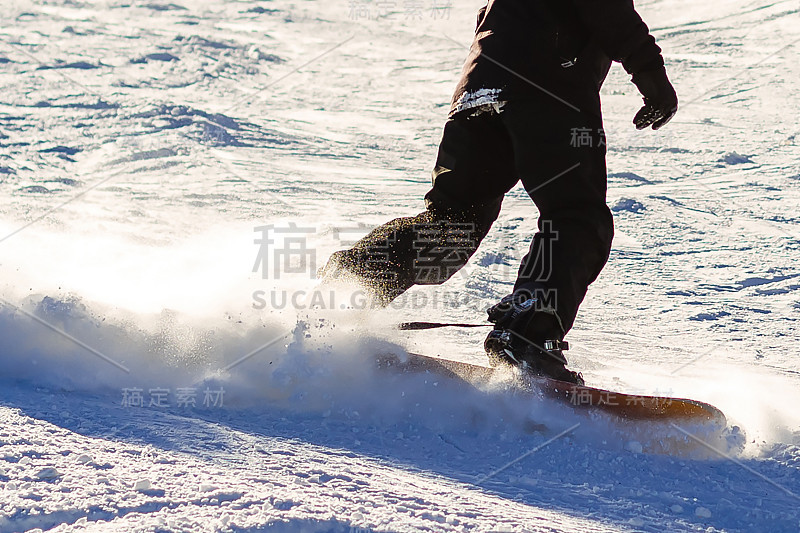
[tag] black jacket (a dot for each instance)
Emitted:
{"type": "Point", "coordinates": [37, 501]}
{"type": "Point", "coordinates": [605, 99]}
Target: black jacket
{"type": "Point", "coordinates": [564, 47]}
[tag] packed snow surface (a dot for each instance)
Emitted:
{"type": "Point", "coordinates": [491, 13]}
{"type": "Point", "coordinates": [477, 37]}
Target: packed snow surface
{"type": "Point", "coordinates": [172, 174]}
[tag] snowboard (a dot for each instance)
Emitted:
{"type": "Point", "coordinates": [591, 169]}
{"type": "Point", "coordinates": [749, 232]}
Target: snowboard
{"type": "Point", "coordinates": [580, 397]}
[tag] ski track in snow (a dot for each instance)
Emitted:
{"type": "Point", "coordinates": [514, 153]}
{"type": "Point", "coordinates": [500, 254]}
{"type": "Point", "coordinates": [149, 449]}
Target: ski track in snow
{"type": "Point", "coordinates": [142, 143]}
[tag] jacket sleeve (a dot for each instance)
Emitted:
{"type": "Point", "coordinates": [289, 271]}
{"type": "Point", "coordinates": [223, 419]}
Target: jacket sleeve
{"type": "Point", "coordinates": [621, 33]}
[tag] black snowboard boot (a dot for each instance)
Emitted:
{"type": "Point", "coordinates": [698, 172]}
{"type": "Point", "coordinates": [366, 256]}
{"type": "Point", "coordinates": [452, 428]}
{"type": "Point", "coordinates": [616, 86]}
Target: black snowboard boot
{"type": "Point", "coordinates": [528, 337]}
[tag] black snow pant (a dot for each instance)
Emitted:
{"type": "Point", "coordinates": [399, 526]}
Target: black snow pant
{"type": "Point", "coordinates": [559, 155]}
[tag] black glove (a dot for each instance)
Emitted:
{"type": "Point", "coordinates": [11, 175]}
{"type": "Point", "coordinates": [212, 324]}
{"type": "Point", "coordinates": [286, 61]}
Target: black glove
{"type": "Point", "coordinates": [660, 100]}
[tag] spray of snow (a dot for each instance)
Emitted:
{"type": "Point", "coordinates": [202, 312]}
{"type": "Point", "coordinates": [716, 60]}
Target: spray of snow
{"type": "Point", "coordinates": [186, 327]}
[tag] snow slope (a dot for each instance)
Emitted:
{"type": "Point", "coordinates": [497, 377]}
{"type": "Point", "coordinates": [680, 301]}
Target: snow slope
{"type": "Point", "coordinates": [143, 144]}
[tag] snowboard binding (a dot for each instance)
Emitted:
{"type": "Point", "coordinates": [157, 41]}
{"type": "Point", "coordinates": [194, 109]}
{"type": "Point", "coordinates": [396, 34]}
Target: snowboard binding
{"type": "Point", "coordinates": [529, 338]}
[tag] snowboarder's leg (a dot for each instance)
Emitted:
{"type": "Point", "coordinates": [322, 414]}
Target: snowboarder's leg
{"type": "Point", "coordinates": [560, 157]}
{"type": "Point", "coordinates": [474, 169]}
{"type": "Point", "coordinates": [562, 166]}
